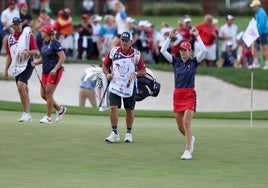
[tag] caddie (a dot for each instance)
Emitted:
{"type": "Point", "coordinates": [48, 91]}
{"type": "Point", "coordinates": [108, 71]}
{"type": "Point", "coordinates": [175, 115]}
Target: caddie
{"type": "Point", "coordinates": [20, 48]}
{"type": "Point", "coordinates": [121, 66]}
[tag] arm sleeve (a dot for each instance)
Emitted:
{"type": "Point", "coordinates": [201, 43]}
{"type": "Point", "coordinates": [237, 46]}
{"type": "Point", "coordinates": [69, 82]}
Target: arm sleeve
{"type": "Point", "coordinates": [164, 51]}
{"type": "Point", "coordinates": [203, 51]}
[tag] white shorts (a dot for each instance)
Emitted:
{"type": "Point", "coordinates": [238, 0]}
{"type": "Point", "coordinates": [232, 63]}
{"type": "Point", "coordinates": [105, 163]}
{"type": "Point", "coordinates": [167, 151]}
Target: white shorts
{"type": "Point", "coordinates": [67, 42]}
{"type": "Point", "coordinates": [211, 51]}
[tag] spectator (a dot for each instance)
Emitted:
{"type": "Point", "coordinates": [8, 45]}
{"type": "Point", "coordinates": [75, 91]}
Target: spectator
{"type": "Point", "coordinates": [157, 39]}
{"type": "Point", "coordinates": [132, 25]}
{"type": "Point", "coordinates": [228, 33]}
{"type": "Point", "coordinates": [88, 6]}
{"type": "Point", "coordinates": [150, 54]}
{"type": "Point", "coordinates": [164, 28]}
{"type": "Point", "coordinates": [20, 48]}
{"type": "Point", "coordinates": [87, 90]}
{"type": "Point", "coordinates": [6, 19]}
{"type": "Point", "coordinates": [144, 39]}
{"type": "Point", "coordinates": [126, 64]}
{"type": "Point", "coordinates": [85, 44]}
{"type": "Point", "coordinates": [106, 34]}
{"type": "Point", "coordinates": [52, 58]}
{"type": "Point", "coordinates": [262, 26]}
{"type": "Point", "coordinates": [43, 19]}
{"type": "Point", "coordinates": [64, 27]}
{"type": "Point", "coordinates": [247, 58]}
{"type": "Point", "coordinates": [184, 95]}
{"type": "Point", "coordinates": [120, 21]}
{"type": "Point", "coordinates": [96, 26]}
{"type": "Point", "coordinates": [25, 16]}
{"type": "Point", "coordinates": [185, 29]}
{"type": "Point", "coordinates": [164, 35]}
{"type": "Point", "coordinates": [208, 34]}
{"type": "Point", "coordinates": [244, 54]}
{"type": "Point", "coordinates": [228, 56]}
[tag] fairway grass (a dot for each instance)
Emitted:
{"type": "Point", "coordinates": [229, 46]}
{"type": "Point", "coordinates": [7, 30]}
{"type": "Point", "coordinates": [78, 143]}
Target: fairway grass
{"type": "Point", "coordinates": [73, 154]}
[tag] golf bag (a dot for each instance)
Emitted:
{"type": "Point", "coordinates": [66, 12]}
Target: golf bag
{"type": "Point", "coordinates": [147, 86]}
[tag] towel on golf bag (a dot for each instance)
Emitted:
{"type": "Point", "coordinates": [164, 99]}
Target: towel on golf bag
{"type": "Point", "coordinates": [147, 86]}
{"type": "Point", "coordinates": [19, 61]}
{"type": "Point", "coordinates": [95, 73]}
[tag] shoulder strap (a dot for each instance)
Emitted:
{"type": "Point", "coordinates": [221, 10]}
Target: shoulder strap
{"type": "Point", "coordinates": [137, 56]}
{"type": "Point", "coordinates": [113, 51]}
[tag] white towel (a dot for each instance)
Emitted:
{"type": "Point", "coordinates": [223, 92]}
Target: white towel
{"type": "Point", "coordinates": [19, 62]}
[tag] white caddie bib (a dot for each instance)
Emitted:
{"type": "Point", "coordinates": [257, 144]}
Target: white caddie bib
{"type": "Point", "coordinates": [121, 84]}
{"type": "Point", "coordinates": [19, 63]}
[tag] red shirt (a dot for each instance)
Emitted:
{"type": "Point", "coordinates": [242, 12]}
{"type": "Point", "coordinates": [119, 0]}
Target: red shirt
{"type": "Point", "coordinates": [207, 33]}
{"type": "Point", "coordinates": [185, 32]}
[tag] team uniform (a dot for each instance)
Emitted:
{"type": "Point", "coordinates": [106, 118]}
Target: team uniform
{"type": "Point", "coordinates": [184, 95]}
{"type": "Point", "coordinates": [122, 65]}
{"type": "Point", "coordinates": [12, 42]}
{"type": "Point", "coordinates": [50, 60]}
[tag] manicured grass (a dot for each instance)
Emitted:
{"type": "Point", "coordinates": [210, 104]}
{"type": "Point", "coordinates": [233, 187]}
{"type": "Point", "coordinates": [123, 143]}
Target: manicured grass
{"type": "Point", "coordinates": [73, 153]}
{"type": "Point", "coordinates": [257, 115]}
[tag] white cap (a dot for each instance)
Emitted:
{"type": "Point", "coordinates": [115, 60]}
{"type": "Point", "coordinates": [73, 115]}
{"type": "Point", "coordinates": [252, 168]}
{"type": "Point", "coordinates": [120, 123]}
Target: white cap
{"type": "Point", "coordinates": [145, 23]}
{"type": "Point", "coordinates": [187, 19]}
{"type": "Point", "coordinates": [229, 43]}
{"type": "Point", "coordinates": [96, 18]}
{"type": "Point", "coordinates": [229, 17]}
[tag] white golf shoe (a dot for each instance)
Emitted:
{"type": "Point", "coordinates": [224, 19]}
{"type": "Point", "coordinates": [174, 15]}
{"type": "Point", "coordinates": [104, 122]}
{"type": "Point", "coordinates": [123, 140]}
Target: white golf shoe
{"type": "Point", "coordinates": [60, 114]}
{"type": "Point", "coordinates": [186, 155]}
{"type": "Point", "coordinates": [26, 117]}
{"type": "Point", "coordinates": [128, 137]}
{"type": "Point", "coordinates": [46, 119]}
{"type": "Point", "coordinates": [112, 137]}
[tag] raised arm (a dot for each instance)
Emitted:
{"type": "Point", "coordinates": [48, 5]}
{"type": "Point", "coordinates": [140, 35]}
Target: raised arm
{"type": "Point", "coordinates": [165, 45]}
{"type": "Point", "coordinates": [203, 51]}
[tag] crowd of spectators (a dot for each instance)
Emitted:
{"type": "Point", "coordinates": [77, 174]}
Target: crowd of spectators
{"type": "Point", "coordinates": [95, 35]}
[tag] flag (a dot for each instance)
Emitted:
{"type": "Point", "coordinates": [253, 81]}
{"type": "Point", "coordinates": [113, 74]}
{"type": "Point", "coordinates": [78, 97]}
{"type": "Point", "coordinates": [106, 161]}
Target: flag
{"type": "Point", "coordinates": [251, 33]}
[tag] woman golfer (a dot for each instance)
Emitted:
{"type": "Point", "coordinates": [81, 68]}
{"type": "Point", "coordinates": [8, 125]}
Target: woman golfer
{"type": "Point", "coordinates": [184, 96]}
{"type": "Point", "coordinates": [52, 59]}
